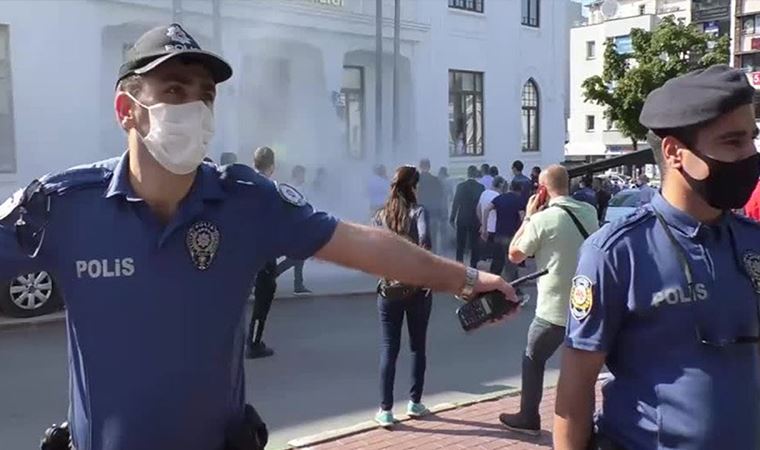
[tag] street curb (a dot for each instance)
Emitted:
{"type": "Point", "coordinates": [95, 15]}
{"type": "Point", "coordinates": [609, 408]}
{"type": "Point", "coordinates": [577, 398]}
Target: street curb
{"type": "Point", "coordinates": [10, 323]}
{"type": "Point", "coordinates": [340, 433]}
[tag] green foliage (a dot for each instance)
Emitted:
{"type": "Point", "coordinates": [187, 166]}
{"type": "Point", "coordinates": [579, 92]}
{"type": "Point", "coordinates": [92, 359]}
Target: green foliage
{"type": "Point", "coordinates": [672, 49]}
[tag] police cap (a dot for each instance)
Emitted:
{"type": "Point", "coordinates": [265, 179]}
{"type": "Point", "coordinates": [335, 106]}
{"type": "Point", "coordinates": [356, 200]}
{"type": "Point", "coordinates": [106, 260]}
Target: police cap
{"type": "Point", "coordinates": [163, 43]}
{"type": "Point", "coordinates": [696, 97]}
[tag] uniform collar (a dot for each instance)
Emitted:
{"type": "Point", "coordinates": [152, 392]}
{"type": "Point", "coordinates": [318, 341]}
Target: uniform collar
{"type": "Point", "coordinates": [676, 218]}
{"type": "Point", "coordinates": [207, 180]}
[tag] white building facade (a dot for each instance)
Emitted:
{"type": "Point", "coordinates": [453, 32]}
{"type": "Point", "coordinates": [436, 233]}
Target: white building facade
{"type": "Point", "coordinates": [480, 80]}
{"type": "Point", "coordinates": [746, 43]}
{"type": "Point", "coordinates": [591, 135]}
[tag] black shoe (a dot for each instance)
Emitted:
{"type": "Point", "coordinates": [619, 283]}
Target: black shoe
{"type": "Point", "coordinates": [301, 290]}
{"type": "Point", "coordinates": [259, 350]}
{"type": "Point", "coordinates": [518, 424]}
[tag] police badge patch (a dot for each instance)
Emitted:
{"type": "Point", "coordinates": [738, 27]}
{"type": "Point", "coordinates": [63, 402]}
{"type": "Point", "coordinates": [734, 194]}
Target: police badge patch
{"type": "Point", "coordinates": [581, 297]}
{"type": "Point", "coordinates": [291, 194]}
{"type": "Point", "coordinates": [203, 242]}
{"type": "Point", "coordinates": [752, 267]}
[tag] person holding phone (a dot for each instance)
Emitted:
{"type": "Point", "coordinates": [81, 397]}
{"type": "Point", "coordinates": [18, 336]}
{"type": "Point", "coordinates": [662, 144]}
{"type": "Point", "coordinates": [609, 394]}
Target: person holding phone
{"type": "Point", "coordinates": [553, 230]}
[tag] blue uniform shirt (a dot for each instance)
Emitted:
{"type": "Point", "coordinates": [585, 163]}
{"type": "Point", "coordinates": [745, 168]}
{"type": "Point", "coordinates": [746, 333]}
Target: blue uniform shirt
{"type": "Point", "coordinates": [587, 195]}
{"type": "Point", "coordinates": [155, 311]}
{"type": "Point", "coordinates": [630, 300]}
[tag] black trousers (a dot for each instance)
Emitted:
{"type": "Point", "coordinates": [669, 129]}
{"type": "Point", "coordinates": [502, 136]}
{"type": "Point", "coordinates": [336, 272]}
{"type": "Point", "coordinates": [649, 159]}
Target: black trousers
{"type": "Point", "coordinates": [263, 294]}
{"type": "Point", "coordinates": [297, 266]}
{"type": "Point", "coordinates": [417, 311]}
{"type": "Point", "coordinates": [468, 236]}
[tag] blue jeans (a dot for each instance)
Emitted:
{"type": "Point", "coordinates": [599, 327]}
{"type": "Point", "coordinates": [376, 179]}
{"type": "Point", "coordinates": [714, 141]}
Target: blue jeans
{"type": "Point", "coordinates": [417, 310]}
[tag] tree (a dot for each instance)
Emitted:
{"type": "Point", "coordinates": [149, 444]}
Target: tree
{"type": "Point", "coordinates": [672, 49]}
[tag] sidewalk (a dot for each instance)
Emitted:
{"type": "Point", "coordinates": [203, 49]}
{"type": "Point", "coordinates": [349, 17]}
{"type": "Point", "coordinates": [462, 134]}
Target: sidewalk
{"type": "Point", "coordinates": [475, 426]}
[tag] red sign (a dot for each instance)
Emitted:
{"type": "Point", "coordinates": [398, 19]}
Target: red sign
{"type": "Point", "coordinates": [755, 43]}
{"type": "Point", "coordinates": [755, 78]}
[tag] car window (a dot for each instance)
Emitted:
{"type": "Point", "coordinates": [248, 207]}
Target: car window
{"type": "Point", "coordinates": [626, 199]}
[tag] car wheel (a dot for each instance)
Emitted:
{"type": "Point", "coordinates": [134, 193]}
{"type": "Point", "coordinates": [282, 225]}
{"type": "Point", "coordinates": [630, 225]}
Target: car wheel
{"type": "Point", "coordinates": [30, 295]}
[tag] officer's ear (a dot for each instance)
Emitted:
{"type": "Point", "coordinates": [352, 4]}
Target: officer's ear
{"type": "Point", "coordinates": [672, 149]}
{"type": "Point", "coordinates": [124, 107]}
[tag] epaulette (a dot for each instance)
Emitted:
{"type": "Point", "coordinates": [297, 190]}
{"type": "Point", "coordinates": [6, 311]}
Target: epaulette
{"type": "Point", "coordinates": [80, 177]}
{"type": "Point", "coordinates": [235, 175]}
{"type": "Point", "coordinates": [744, 220]}
{"type": "Point", "coordinates": [609, 234]}
{"type": "Point", "coordinates": [91, 175]}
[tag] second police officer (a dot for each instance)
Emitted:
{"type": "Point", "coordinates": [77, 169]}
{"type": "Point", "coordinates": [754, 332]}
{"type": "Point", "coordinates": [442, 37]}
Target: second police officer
{"type": "Point", "coordinates": [155, 251]}
{"type": "Point", "coordinates": [667, 297]}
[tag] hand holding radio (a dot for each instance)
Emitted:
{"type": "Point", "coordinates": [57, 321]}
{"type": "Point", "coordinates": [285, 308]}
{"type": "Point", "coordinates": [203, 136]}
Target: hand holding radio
{"type": "Point", "coordinates": [491, 306]}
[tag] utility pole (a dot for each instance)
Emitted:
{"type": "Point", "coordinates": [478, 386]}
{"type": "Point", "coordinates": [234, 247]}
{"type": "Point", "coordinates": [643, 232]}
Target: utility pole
{"type": "Point", "coordinates": [378, 77]}
{"type": "Point", "coordinates": [396, 74]}
{"type": "Point", "coordinates": [216, 17]}
{"type": "Point", "coordinates": [177, 11]}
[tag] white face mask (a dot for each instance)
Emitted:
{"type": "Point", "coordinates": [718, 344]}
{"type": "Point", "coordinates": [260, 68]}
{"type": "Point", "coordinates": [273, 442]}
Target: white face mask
{"type": "Point", "coordinates": [179, 134]}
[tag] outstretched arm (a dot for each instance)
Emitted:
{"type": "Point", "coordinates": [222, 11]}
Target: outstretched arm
{"type": "Point", "coordinates": [385, 254]}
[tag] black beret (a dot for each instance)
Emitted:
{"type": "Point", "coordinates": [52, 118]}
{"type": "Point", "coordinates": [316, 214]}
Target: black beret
{"type": "Point", "coordinates": [696, 97]}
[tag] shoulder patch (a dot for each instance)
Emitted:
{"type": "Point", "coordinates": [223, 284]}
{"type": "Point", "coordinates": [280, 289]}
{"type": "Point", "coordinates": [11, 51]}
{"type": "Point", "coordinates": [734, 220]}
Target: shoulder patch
{"type": "Point", "coordinates": [581, 297]}
{"type": "Point", "coordinates": [291, 195]}
{"type": "Point", "coordinates": [611, 232]}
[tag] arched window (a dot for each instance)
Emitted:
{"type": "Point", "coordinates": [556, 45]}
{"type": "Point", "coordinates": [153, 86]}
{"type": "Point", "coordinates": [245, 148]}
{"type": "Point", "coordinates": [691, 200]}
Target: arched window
{"type": "Point", "coordinates": [530, 117]}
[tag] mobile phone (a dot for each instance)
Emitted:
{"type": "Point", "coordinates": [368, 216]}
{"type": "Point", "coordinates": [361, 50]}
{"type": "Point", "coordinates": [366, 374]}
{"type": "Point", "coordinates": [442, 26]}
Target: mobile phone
{"type": "Point", "coordinates": [542, 195]}
{"type": "Point", "coordinates": [491, 305]}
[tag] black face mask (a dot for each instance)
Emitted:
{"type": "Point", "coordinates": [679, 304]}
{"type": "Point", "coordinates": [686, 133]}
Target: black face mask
{"type": "Point", "coordinates": [729, 184]}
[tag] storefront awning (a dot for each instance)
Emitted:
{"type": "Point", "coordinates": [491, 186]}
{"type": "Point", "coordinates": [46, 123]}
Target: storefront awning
{"type": "Point", "coordinates": [637, 158]}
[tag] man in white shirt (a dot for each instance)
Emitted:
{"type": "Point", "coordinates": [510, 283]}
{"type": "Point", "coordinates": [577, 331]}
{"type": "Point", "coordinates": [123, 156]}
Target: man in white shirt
{"type": "Point", "coordinates": [486, 178]}
{"type": "Point", "coordinates": [488, 220]}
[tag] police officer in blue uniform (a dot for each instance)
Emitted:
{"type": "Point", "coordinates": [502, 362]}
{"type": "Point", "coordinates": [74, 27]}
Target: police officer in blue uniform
{"type": "Point", "coordinates": [155, 251]}
{"type": "Point", "coordinates": [667, 297]}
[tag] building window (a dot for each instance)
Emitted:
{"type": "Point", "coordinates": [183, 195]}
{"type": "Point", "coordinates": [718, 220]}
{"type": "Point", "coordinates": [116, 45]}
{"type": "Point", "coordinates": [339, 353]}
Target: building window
{"type": "Point", "coordinates": [590, 49]}
{"type": "Point", "coordinates": [642, 9]}
{"type": "Point", "coordinates": [590, 123]}
{"type": "Point", "coordinates": [756, 101]}
{"type": "Point", "coordinates": [7, 135]}
{"type": "Point", "coordinates": [465, 113]}
{"type": "Point", "coordinates": [751, 62]}
{"type": "Point", "coordinates": [530, 12]}
{"type": "Point", "coordinates": [351, 108]}
{"type": "Point", "coordinates": [623, 44]}
{"type": "Point", "coordinates": [748, 25]}
{"type": "Point", "coordinates": [467, 5]}
{"type": "Point", "coordinates": [530, 116]}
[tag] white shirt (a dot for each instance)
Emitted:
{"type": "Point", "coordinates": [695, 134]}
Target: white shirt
{"type": "Point", "coordinates": [485, 199]}
{"type": "Point", "coordinates": [486, 181]}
